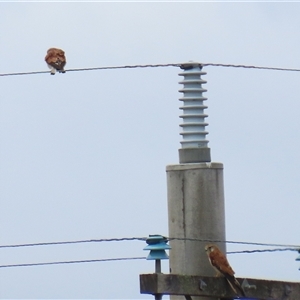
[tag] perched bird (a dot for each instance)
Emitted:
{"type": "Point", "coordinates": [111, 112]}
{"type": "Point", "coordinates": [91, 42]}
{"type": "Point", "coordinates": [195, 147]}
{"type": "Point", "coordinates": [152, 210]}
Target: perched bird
{"type": "Point", "coordinates": [56, 60]}
{"type": "Point", "coordinates": [219, 261]}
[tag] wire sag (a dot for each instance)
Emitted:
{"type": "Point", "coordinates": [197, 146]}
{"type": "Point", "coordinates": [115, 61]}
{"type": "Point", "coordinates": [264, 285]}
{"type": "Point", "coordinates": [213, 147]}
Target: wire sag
{"type": "Point", "coordinates": [158, 66]}
{"type": "Point", "coordinates": [70, 262]}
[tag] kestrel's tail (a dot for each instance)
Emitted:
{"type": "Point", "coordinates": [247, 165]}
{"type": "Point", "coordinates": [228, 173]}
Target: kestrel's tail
{"type": "Point", "coordinates": [235, 285]}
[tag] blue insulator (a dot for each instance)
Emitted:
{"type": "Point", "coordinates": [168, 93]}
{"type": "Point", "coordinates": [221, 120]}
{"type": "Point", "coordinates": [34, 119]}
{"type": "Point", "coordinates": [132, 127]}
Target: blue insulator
{"type": "Point", "coordinates": [157, 244]}
{"type": "Point", "coordinates": [298, 258]}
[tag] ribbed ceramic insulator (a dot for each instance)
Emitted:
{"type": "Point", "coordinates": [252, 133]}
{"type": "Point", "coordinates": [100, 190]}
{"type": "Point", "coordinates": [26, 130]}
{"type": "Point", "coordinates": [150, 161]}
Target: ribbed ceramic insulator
{"type": "Point", "coordinates": [194, 125]}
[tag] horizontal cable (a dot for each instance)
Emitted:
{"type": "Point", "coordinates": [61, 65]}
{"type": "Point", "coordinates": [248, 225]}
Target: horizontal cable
{"type": "Point", "coordinates": [263, 250]}
{"type": "Point", "coordinates": [71, 262]}
{"type": "Point", "coordinates": [157, 66]}
{"type": "Point", "coordinates": [129, 258]}
{"type": "Point", "coordinates": [250, 67]}
{"type": "Point", "coordinates": [24, 73]}
{"type": "Point", "coordinates": [234, 242]}
{"type": "Point", "coordinates": [144, 239]}
{"type": "Point", "coordinates": [74, 242]}
{"type": "Point", "coordinates": [95, 69]}
{"type": "Point", "coordinates": [125, 67]}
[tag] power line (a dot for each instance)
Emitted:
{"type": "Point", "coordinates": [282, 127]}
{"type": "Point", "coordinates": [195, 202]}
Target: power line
{"type": "Point", "coordinates": [158, 66]}
{"type": "Point", "coordinates": [74, 242]}
{"type": "Point", "coordinates": [144, 239]}
{"type": "Point", "coordinates": [263, 250]}
{"type": "Point", "coordinates": [251, 67]}
{"type": "Point", "coordinates": [97, 68]}
{"type": "Point", "coordinates": [125, 67]}
{"type": "Point", "coordinates": [234, 242]}
{"type": "Point", "coordinates": [71, 262]}
{"type": "Point", "coordinates": [129, 258]}
{"type": "Point", "coordinates": [24, 73]}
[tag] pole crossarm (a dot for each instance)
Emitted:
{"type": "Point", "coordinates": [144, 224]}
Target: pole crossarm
{"type": "Point", "coordinates": [217, 287]}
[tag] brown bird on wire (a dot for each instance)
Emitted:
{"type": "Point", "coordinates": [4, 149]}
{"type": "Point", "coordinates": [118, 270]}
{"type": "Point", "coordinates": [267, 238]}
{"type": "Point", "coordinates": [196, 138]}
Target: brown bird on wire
{"type": "Point", "coordinates": [219, 261]}
{"type": "Point", "coordinates": [56, 60]}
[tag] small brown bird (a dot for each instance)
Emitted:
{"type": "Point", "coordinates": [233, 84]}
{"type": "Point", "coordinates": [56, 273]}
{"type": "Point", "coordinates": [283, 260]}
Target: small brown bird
{"type": "Point", "coordinates": [56, 60]}
{"type": "Point", "coordinates": [219, 261]}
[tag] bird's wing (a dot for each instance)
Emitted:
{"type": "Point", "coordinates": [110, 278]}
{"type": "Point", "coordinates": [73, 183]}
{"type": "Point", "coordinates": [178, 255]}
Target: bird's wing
{"type": "Point", "coordinates": [220, 262]}
{"type": "Point", "coordinates": [58, 65]}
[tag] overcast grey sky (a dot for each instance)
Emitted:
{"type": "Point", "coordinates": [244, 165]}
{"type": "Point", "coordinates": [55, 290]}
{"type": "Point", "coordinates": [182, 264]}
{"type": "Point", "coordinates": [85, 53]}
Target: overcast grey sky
{"type": "Point", "coordinates": [83, 154]}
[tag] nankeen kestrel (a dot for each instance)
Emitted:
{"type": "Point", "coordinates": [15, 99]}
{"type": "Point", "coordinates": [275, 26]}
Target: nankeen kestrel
{"type": "Point", "coordinates": [219, 261]}
{"type": "Point", "coordinates": [56, 60]}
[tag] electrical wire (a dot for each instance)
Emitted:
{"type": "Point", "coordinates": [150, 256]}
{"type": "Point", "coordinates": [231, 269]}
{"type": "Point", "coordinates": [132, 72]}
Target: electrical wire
{"type": "Point", "coordinates": [129, 258]}
{"type": "Point", "coordinates": [70, 262]}
{"type": "Point", "coordinates": [74, 242]}
{"type": "Point", "coordinates": [96, 69]}
{"type": "Point", "coordinates": [24, 73]}
{"type": "Point", "coordinates": [263, 250]}
{"type": "Point", "coordinates": [251, 67]}
{"type": "Point", "coordinates": [289, 248]}
{"type": "Point", "coordinates": [158, 66]}
{"type": "Point", "coordinates": [234, 242]}
{"type": "Point", "coordinates": [144, 239]}
{"type": "Point", "coordinates": [125, 67]}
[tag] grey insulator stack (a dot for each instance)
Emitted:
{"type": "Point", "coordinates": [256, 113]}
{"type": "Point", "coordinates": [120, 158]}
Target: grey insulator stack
{"type": "Point", "coordinates": [194, 143]}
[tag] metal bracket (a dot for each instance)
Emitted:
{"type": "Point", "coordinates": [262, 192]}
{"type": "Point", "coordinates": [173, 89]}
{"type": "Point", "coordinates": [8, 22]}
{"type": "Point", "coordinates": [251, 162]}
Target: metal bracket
{"type": "Point", "coordinates": [247, 286]}
{"type": "Point", "coordinates": [287, 291]}
{"type": "Point", "coordinates": [202, 285]}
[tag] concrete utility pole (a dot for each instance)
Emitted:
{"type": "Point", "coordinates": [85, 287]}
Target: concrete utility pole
{"type": "Point", "coordinates": [195, 186]}
{"type": "Point", "coordinates": [196, 215]}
